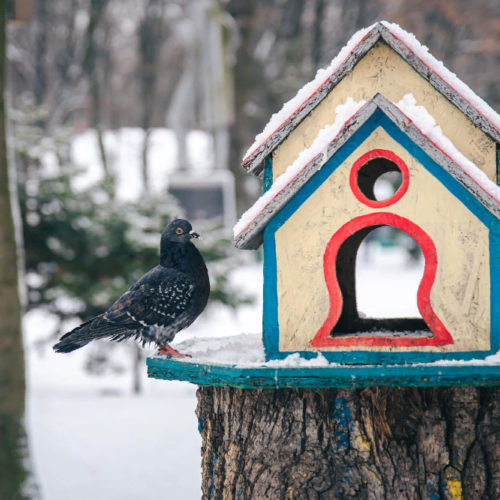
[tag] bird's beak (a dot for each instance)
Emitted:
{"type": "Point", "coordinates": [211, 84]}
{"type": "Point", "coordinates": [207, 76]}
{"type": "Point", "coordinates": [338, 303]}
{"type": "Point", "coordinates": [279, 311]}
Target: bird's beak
{"type": "Point", "coordinates": [194, 235]}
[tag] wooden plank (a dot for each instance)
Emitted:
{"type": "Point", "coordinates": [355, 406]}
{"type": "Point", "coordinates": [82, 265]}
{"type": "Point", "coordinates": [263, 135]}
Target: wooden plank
{"type": "Point", "coordinates": [321, 377]}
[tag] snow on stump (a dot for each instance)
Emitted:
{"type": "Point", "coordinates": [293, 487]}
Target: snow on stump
{"type": "Point", "coordinates": [330, 403]}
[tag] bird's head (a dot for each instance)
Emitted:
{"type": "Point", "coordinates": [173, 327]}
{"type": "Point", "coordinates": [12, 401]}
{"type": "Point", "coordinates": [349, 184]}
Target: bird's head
{"type": "Point", "coordinates": [178, 231]}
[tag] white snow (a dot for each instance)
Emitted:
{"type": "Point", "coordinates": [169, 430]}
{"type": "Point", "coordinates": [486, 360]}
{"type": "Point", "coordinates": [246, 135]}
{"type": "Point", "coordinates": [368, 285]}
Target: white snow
{"type": "Point", "coordinates": [307, 90]}
{"type": "Point", "coordinates": [116, 446]}
{"type": "Point", "coordinates": [389, 269]}
{"type": "Point", "coordinates": [343, 113]}
{"type": "Point", "coordinates": [124, 152]}
{"type": "Point", "coordinates": [243, 349]}
{"type": "Point", "coordinates": [422, 52]}
{"type": "Point", "coordinates": [90, 438]}
{"type": "Point", "coordinates": [295, 360]}
{"type": "Point", "coordinates": [408, 39]}
{"type": "Point", "coordinates": [493, 360]}
{"type": "Point", "coordinates": [427, 125]}
{"type": "Point", "coordinates": [247, 351]}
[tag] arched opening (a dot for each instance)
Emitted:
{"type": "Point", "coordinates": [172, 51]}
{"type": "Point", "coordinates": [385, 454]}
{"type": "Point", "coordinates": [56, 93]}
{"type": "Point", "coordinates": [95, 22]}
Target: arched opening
{"type": "Point", "coordinates": [379, 292]}
{"type": "Point", "coordinates": [389, 269]}
{"type": "Point", "coordinates": [343, 325]}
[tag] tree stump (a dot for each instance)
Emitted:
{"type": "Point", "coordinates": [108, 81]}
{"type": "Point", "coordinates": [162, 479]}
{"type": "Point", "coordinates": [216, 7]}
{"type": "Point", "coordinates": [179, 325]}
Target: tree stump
{"type": "Point", "coordinates": [375, 443]}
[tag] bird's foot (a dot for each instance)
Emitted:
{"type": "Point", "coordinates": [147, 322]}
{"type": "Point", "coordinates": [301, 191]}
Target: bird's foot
{"type": "Point", "coordinates": [166, 350]}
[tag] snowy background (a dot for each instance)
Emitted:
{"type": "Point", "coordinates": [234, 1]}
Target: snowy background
{"type": "Point", "coordinates": [212, 72]}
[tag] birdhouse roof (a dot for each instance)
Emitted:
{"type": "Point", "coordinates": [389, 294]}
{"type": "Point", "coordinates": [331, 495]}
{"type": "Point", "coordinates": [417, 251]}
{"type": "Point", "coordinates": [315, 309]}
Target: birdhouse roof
{"type": "Point", "coordinates": [406, 46]}
{"type": "Point", "coordinates": [414, 121]}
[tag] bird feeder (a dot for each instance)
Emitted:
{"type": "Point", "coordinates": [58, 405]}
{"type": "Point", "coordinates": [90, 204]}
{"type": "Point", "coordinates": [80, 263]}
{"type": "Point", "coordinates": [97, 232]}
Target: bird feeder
{"type": "Point", "coordinates": [383, 105]}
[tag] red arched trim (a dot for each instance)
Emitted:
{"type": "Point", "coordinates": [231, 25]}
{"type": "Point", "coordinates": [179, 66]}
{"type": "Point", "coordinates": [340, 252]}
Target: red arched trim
{"type": "Point", "coordinates": [323, 337]}
{"type": "Point", "coordinates": [371, 155]}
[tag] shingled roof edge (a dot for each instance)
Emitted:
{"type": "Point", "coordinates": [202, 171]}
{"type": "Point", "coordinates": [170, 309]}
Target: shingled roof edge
{"type": "Point", "coordinates": [252, 162]}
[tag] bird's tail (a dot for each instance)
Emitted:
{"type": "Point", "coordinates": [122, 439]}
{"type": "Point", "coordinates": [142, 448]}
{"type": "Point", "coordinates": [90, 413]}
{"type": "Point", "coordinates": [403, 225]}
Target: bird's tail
{"type": "Point", "coordinates": [81, 335]}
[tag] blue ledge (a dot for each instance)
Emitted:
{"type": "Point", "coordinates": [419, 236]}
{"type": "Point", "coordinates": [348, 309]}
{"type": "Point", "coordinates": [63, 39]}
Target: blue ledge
{"type": "Point", "coordinates": [265, 377]}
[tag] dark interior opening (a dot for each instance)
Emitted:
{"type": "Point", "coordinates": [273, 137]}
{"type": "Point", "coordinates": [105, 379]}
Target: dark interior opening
{"type": "Point", "coordinates": [379, 179]}
{"type": "Point", "coordinates": [350, 322]}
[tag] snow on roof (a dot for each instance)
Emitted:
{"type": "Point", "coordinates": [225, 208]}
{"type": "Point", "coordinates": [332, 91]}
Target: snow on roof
{"type": "Point", "coordinates": [319, 146]}
{"type": "Point", "coordinates": [406, 45]}
{"type": "Point", "coordinates": [327, 142]}
{"type": "Point", "coordinates": [427, 125]}
{"type": "Point", "coordinates": [422, 52]}
{"type": "Point", "coordinates": [322, 76]}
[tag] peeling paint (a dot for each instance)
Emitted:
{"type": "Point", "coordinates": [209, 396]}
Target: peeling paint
{"type": "Point", "coordinates": [344, 423]}
{"type": "Point", "coordinates": [455, 489]}
{"type": "Point", "coordinates": [364, 443]}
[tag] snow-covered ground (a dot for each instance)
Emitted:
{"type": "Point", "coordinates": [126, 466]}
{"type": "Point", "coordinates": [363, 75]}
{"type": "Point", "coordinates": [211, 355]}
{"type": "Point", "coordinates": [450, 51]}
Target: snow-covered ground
{"type": "Point", "coordinates": [91, 445]}
{"type": "Point", "coordinates": [91, 439]}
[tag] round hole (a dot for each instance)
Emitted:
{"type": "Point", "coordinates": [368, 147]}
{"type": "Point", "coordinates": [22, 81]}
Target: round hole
{"type": "Point", "coordinates": [379, 178]}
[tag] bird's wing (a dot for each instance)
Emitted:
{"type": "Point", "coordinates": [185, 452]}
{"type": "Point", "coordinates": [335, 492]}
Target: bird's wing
{"type": "Point", "coordinates": [157, 299]}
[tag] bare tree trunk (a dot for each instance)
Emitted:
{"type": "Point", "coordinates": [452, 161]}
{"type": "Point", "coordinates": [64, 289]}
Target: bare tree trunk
{"type": "Point", "coordinates": [138, 365]}
{"type": "Point", "coordinates": [90, 65]}
{"type": "Point", "coordinates": [150, 38]}
{"type": "Point", "coordinates": [14, 473]}
{"type": "Point", "coordinates": [377, 443]}
{"type": "Point", "coordinates": [146, 187]}
{"type": "Point", "coordinates": [248, 76]}
{"type": "Point", "coordinates": [41, 50]}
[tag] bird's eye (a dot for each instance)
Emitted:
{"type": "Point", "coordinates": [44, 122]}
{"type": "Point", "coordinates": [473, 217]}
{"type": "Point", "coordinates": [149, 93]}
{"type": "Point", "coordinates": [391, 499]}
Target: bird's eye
{"type": "Point", "coordinates": [179, 230]}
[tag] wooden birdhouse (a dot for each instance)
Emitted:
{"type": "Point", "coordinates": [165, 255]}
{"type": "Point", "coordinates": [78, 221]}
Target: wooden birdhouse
{"type": "Point", "coordinates": [383, 105]}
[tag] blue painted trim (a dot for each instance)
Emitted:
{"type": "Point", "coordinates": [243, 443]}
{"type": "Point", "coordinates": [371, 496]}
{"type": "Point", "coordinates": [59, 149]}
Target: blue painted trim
{"type": "Point", "coordinates": [267, 180]}
{"type": "Point", "coordinates": [336, 376]}
{"type": "Point", "coordinates": [495, 286]}
{"type": "Point", "coordinates": [271, 325]}
{"type": "Point", "coordinates": [270, 295]}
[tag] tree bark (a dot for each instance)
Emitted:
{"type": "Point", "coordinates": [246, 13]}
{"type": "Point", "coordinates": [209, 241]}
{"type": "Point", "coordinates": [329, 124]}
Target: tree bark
{"type": "Point", "coordinates": [375, 443]}
{"type": "Point", "coordinates": [14, 477]}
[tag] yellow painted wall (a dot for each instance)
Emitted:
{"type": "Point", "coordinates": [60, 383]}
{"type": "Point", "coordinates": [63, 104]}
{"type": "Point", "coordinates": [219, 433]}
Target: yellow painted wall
{"type": "Point", "coordinates": [460, 295]}
{"type": "Point", "coordinates": [382, 70]}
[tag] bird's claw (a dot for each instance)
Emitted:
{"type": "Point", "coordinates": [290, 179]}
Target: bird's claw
{"type": "Point", "coordinates": [166, 350]}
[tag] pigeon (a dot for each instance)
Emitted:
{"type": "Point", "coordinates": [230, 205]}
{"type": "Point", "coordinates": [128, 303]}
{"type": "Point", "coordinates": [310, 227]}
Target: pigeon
{"type": "Point", "coordinates": [167, 299]}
